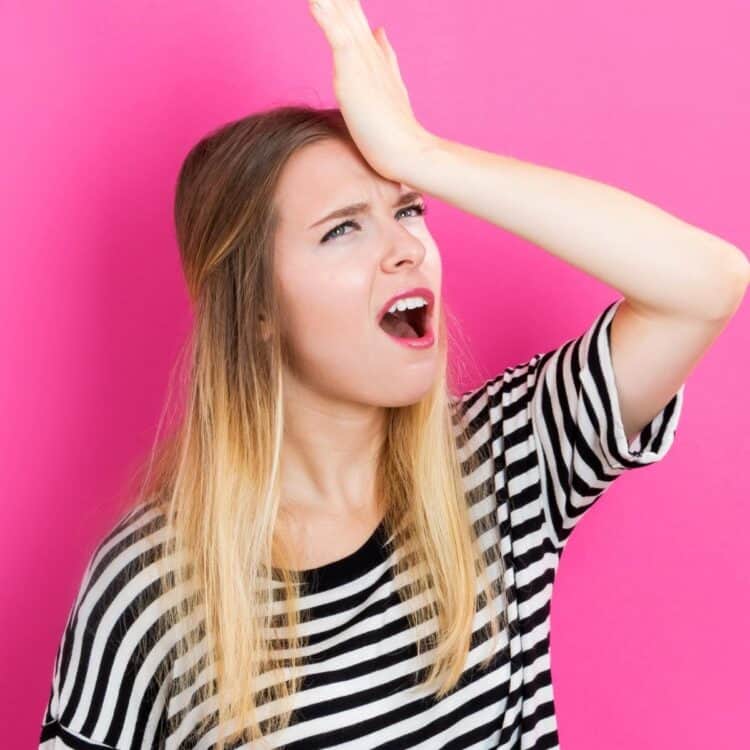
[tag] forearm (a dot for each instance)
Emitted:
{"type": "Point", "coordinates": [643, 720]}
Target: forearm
{"type": "Point", "coordinates": [657, 261]}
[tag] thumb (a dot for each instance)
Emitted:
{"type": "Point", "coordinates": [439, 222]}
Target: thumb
{"type": "Point", "coordinates": [388, 51]}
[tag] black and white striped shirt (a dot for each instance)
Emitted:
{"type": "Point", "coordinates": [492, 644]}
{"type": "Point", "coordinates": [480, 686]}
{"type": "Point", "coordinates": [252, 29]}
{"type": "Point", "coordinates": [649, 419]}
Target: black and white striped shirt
{"type": "Point", "coordinates": [556, 442]}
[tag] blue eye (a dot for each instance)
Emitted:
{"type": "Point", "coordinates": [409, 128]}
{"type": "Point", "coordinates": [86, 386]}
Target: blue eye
{"type": "Point", "coordinates": [420, 208]}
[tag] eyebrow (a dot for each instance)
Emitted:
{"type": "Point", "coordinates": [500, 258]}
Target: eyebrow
{"type": "Point", "coordinates": [362, 208]}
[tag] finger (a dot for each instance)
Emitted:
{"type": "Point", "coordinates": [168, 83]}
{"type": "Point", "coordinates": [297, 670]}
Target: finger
{"type": "Point", "coordinates": [329, 20]}
{"type": "Point", "coordinates": [353, 11]}
{"type": "Point", "coordinates": [390, 55]}
{"type": "Point", "coordinates": [346, 21]}
{"type": "Point", "coordinates": [316, 11]}
{"type": "Point", "coordinates": [388, 51]}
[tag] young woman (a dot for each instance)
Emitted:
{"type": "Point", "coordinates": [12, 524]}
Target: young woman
{"type": "Point", "coordinates": [331, 549]}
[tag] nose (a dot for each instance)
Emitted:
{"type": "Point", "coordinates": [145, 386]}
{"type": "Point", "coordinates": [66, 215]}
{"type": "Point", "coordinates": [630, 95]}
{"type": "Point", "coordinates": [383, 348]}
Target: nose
{"type": "Point", "coordinates": [404, 248]}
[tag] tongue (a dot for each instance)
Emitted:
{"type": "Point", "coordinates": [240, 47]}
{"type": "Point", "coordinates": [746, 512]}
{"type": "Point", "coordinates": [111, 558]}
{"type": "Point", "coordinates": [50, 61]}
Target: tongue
{"type": "Point", "coordinates": [398, 326]}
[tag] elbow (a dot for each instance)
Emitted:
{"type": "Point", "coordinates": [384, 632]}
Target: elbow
{"type": "Point", "coordinates": [736, 280]}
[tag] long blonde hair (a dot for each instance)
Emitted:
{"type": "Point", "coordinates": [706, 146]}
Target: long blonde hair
{"type": "Point", "coordinates": [216, 474]}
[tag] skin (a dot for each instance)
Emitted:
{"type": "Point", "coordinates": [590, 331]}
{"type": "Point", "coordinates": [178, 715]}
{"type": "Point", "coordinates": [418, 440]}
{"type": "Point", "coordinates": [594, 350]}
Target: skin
{"type": "Point", "coordinates": [681, 285]}
{"type": "Point", "coordinates": [345, 369]}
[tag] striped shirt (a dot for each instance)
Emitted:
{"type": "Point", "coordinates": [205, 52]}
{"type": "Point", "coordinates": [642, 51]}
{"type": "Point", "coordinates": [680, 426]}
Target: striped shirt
{"type": "Point", "coordinates": [556, 442]}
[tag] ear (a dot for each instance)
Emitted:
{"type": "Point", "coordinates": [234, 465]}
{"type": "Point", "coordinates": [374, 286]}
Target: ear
{"type": "Point", "coordinates": [265, 331]}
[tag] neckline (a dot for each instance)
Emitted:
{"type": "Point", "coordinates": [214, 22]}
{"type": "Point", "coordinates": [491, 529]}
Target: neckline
{"type": "Point", "coordinates": [346, 568]}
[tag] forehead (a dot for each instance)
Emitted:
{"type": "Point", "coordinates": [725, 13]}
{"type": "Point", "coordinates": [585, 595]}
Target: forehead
{"type": "Point", "coordinates": [324, 175]}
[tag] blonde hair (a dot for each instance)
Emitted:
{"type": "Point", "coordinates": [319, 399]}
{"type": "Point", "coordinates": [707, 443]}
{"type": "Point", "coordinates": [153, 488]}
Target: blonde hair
{"type": "Point", "coordinates": [216, 475]}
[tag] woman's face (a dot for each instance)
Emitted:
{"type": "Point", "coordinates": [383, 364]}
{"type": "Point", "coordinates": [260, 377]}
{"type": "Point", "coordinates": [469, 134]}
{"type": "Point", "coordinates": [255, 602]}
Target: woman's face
{"type": "Point", "coordinates": [334, 284]}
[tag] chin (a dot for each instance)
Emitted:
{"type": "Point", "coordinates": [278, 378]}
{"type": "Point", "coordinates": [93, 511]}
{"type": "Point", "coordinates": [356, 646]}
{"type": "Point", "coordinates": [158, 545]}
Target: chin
{"type": "Point", "coordinates": [404, 396]}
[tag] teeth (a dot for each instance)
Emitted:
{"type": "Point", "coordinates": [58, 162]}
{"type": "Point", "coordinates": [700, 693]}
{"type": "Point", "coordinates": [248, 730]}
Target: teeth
{"type": "Point", "coordinates": [408, 303]}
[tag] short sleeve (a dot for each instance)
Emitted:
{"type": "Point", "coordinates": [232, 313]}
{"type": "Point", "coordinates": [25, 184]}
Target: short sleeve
{"type": "Point", "coordinates": [108, 687]}
{"type": "Point", "coordinates": [577, 426]}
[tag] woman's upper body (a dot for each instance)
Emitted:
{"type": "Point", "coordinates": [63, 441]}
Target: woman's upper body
{"type": "Point", "coordinates": [556, 442]}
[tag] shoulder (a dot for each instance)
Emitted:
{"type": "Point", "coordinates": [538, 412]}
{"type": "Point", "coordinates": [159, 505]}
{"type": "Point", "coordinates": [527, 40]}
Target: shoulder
{"type": "Point", "coordinates": [117, 648]}
{"type": "Point", "coordinates": [123, 567]}
{"type": "Point", "coordinates": [505, 395]}
{"type": "Point", "coordinates": [122, 596]}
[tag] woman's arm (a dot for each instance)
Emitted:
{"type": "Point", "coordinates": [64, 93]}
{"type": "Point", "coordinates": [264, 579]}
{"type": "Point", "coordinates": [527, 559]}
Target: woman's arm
{"type": "Point", "coordinates": [681, 284]}
{"type": "Point", "coordinates": [661, 264]}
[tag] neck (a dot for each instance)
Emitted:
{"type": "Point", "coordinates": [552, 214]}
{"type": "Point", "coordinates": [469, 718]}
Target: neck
{"type": "Point", "coordinates": [330, 455]}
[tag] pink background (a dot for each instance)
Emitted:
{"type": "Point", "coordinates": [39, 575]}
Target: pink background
{"type": "Point", "coordinates": [102, 102]}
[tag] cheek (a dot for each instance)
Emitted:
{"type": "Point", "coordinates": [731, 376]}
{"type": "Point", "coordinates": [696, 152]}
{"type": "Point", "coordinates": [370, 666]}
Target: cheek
{"type": "Point", "coordinates": [328, 311]}
{"type": "Point", "coordinates": [331, 341]}
{"type": "Point", "coordinates": [432, 259]}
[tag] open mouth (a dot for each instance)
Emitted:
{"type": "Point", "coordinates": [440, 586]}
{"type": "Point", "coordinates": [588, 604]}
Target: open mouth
{"type": "Point", "coordinates": [407, 324]}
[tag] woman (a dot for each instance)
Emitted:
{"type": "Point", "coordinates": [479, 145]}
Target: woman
{"type": "Point", "coordinates": [331, 549]}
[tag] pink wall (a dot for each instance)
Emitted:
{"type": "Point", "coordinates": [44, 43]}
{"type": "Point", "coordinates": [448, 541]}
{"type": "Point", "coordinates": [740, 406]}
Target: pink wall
{"type": "Point", "coordinates": [652, 603]}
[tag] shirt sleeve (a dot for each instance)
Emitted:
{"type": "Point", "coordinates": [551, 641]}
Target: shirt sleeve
{"type": "Point", "coordinates": [577, 426]}
{"type": "Point", "coordinates": [108, 688]}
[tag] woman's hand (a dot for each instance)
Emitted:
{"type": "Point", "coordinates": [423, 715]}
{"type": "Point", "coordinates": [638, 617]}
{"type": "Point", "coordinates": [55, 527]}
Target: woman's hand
{"type": "Point", "coordinates": [371, 94]}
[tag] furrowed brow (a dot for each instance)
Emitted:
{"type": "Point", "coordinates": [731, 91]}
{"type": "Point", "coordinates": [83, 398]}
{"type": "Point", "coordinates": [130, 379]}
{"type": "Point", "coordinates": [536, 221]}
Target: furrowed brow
{"type": "Point", "coordinates": [363, 208]}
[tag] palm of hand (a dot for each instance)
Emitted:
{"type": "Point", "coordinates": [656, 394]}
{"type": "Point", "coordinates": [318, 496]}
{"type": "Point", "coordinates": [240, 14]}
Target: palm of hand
{"type": "Point", "coordinates": [368, 86]}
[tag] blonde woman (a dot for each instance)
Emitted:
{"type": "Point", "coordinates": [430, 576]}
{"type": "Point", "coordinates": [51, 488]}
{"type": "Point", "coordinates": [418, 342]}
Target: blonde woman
{"type": "Point", "coordinates": [331, 549]}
